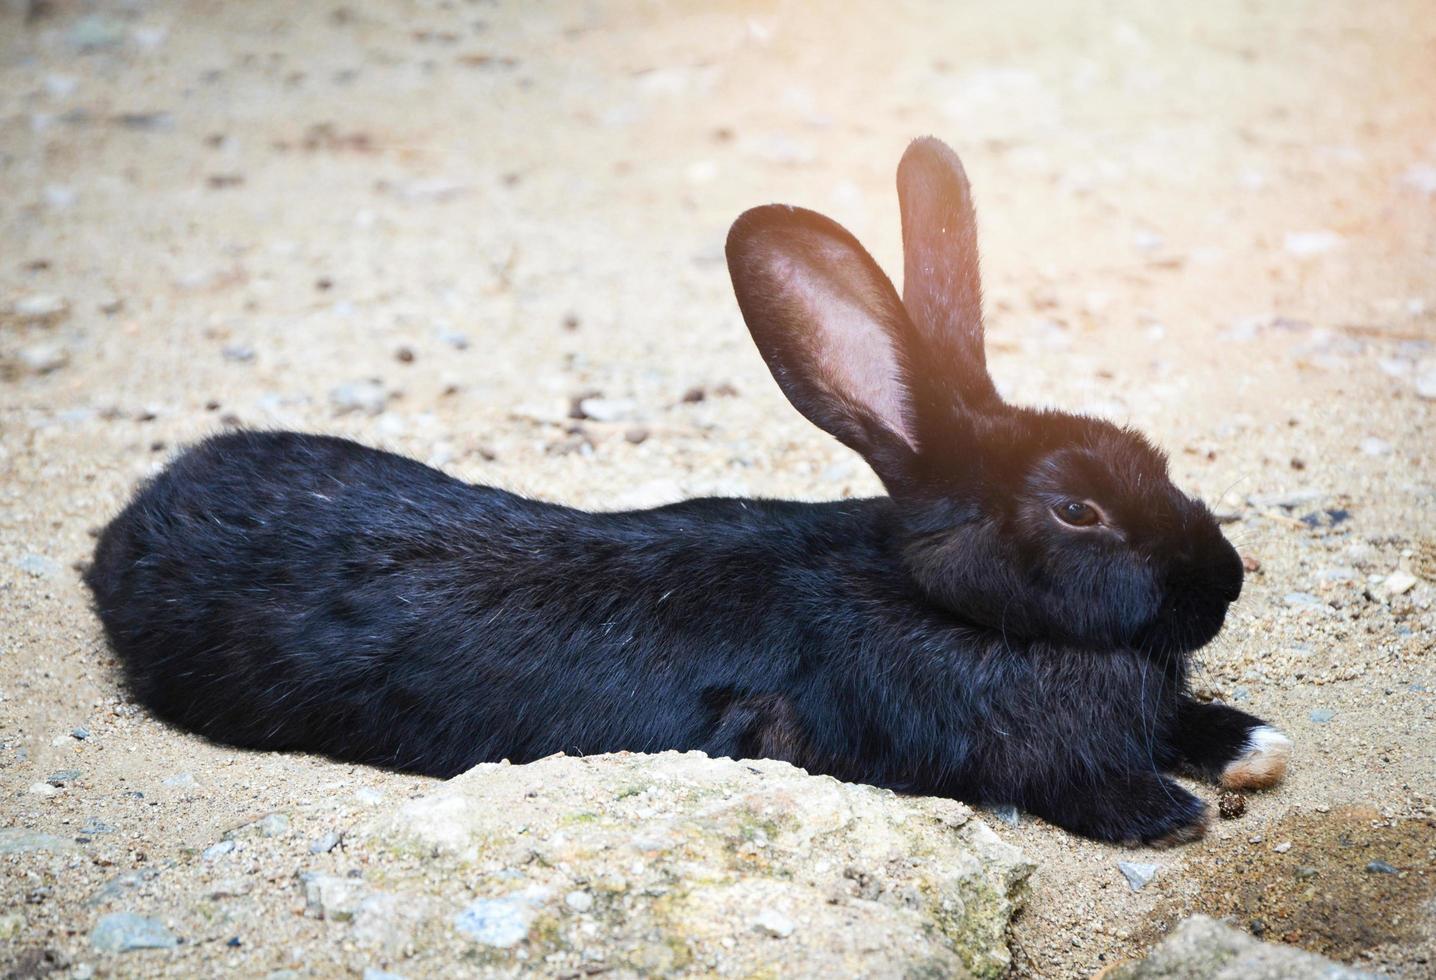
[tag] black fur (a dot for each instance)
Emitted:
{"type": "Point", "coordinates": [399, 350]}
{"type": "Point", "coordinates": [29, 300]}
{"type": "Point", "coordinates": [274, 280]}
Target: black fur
{"type": "Point", "coordinates": [289, 591]}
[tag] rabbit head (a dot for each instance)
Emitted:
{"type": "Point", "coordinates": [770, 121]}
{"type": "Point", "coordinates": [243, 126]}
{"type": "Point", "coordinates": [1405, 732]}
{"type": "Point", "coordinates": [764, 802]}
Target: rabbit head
{"type": "Point", "coordinates": [1045, 525]}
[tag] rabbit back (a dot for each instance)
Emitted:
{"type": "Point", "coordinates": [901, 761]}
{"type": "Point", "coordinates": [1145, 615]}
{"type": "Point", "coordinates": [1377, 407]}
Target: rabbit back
{"type": "Point", "coordinates": [290, 591]}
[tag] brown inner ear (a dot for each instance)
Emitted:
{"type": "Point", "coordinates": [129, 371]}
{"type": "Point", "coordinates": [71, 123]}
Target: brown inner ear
{"type": "Point", "coordinates": [853, 358]}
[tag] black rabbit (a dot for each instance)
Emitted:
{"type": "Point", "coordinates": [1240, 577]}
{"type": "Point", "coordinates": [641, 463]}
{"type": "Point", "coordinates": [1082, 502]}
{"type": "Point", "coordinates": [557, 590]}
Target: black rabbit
{"type": "Point", "coordinates": [1011, 625]}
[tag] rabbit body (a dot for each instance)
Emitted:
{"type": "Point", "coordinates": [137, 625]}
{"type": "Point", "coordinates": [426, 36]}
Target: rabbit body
{"type": "Point", "coordinates": [285, 591]}
{"type": "Point", "coordinates": [1012, 624]}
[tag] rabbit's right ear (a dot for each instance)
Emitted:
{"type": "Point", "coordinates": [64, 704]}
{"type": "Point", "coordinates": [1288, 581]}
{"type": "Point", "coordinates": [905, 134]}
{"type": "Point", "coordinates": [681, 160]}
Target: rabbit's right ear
{"type": "Point", "coordinates": [942, 287]}
{"type": "Point", "coordinates": [830, 327]}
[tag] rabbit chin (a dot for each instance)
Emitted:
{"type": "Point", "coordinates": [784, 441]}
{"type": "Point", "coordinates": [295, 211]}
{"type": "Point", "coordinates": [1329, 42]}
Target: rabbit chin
{"type": "Point", "coordinates": [1183, 628]}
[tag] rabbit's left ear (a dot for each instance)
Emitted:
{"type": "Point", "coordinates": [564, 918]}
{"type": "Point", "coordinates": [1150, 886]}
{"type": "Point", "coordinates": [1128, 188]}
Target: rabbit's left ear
{"type": "Point", "coordinates": [830, 327]}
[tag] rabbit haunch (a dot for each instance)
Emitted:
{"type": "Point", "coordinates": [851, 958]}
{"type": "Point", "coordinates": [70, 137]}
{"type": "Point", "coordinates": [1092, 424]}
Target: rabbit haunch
{"type": "Point", "coordinates": [964, 635]}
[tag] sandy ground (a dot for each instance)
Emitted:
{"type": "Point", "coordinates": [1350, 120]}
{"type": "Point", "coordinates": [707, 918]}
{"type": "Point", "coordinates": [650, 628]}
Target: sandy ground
{"type": "Point", "coordinates": [1214, 221]}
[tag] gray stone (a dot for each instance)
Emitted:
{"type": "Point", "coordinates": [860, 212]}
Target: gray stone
{"type": "Point", "coordinates": [1399, 582]}
{"type": "Point", "coordinates": [44, 356]}
{"type": "Point", "coordinates": [1304, 244]}
{"type": "Point", "coordinates": [219, 850]}
{"type": "Point", "coordinates": [608, 409]}
{"type": "Point", "coordinates": [38, 565]}
{"type": "Point", "coordinates": [1138, 875]}
{"type": "Point", "coordinates": [500, 922]}
{"type": "Point", "coordinates": [774, 923]}
{"type": "Point", "coordinates": [62, 777]}
{"type": "Point", "coordinates": [120, 932]}
{"type": "Point", "coordinates": [325, 844]}
{"type": "Point", "coordinates": [1201, 948]}
{"type": "Point", "coordinates": [120, 885]}
{"type": "Point", "coordinates": [1382, 868]}
{"type": "Point", "coordinates": [1008, 815]}
{"type": "Point", "coordinates": [96, 31]}
{"type": "Point", "coordinates": [1425, 380]}
{"type": "Point", "coordinates": [1322, 715]}
{"type": "Point", "coordinates": [17, 840]}
{"type": "Point", "coordinates": [94, 827]}
{"type": "Point", "coordinates": [367, 395]}
{"type": "Point", "coordinates": [333, 897]}
{"type": "Point", "coordinates": [698, 851]}
{"type": "Point", "coordinates": [269, 825]}
{"type": "Point", "coordinates": [181, 780]}
{"type": "Point", "coordinates": [40, 308]}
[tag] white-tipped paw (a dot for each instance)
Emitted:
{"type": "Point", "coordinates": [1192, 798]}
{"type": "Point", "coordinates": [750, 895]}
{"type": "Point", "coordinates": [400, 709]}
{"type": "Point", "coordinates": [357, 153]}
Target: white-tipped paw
{"type": "Point", "coordinates": [1262, 762]}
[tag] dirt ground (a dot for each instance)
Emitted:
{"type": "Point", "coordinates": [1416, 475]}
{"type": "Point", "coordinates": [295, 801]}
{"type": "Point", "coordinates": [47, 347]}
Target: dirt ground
{"type": "Point", "coordinates": [1214, 221]}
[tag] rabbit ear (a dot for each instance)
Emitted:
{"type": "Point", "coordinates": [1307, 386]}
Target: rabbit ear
{"type": "Point", "coordinates": [830, 327]}
{"type": "Point", "coordinates": [942, 288]}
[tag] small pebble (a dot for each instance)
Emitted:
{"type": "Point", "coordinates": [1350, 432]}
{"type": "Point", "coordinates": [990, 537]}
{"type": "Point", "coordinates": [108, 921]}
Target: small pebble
{"type": "Point", "coordinates": [1399, 582]}
{"type": "Point", "coordinates": [1283, 847]}
{"type": "Point", "coordinates": [404, 355]}
{"type": "Point", "coordinates": [1373, 446]}
{"type": "Point", "coordinates": [1231, 805]}
{"type": "Point", "coordinates": [62, 777]}
{"type": "Point", "coordinates": [180, 780]}
{"type": "Point", "coordinates": [44, 357]}
{"type": "Point", "coordinates": [1138, 875]}
{"type": "Point", "coordinates": [269, 825]}
{"type": "Point", "coordinates": [325, 844]}
{"type": "Point", "coordinates": [120, 932]}
{"type": "Point", "coordinates": [1306, 871]}
{"type": "Point", "coordinates": [368, 396]}
{"type": "Point", "coordinates": [40, 308]}
{"type": "Point", "coordinates": [1007, 814]}
{"type": "Point", "coordinates": [80, 732]}
{"type": "Point", "coordinates": [39, 566]}
{"type": "Point", "coordinates": [1322, 715]}
{"type": "Point", "coordinates": [774, 923]}
{"type": "Point", "coordinates": [16, 840]}
{"type": "Point", "coordinates": [42, 789]}
{"type": "Point", "coordinates": [238, 353]}
{"type": "Point", "coordinates": [608, 409]}
{"type": "Point", "coordinates": [1310, 243]}
{"type": "Point", "coordinates": [499, 922]}
{"type": "Point", "coordinates": [219, 850]}
{"type": "Point", "coordinates": [1382, 868]}
{"type": "Point", "coordinates": [579, 901]}
{"type": "Point", "coordinates": [637, 435]}
{"type": "Point", "coordinates": [1425, 381]}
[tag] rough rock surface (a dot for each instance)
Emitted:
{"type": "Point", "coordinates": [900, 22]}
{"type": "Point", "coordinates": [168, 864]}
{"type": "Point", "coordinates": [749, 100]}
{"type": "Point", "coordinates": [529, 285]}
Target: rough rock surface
{"type": "Point", "coordinates": [1201, 948]}
{"type": "Point", "coordinates": [677, 863]}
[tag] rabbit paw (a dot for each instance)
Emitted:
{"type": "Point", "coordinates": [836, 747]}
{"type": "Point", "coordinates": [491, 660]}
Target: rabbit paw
{"type": "Point", "coordinates": [1262, 761]}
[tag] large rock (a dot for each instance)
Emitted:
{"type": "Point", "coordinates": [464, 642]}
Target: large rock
{"type": "Point", "coordinates": [1205, 949]}
{"type": "Point", "coordinates": [677, 863]}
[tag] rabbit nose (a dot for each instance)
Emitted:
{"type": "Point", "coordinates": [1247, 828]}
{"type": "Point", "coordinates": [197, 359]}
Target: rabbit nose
{"type": "Point", "coordinates": [1213, 568]}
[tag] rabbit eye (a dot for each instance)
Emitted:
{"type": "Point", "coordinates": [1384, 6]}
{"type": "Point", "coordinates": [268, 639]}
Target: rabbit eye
{"type": "Point", "coordinates": [1077, 513]}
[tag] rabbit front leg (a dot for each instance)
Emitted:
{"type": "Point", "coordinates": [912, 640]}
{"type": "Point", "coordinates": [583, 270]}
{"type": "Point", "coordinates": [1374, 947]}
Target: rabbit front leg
{"type": "Point", "coordinates": [1230, 747]}
{"type": "Point", "coordinates": [1140, 807]}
